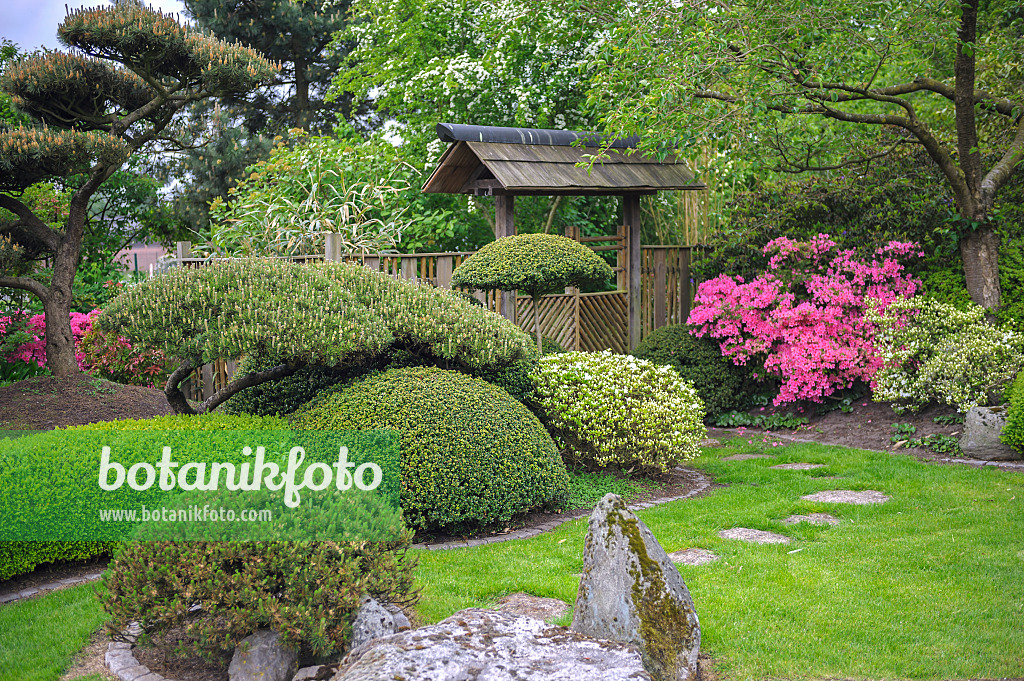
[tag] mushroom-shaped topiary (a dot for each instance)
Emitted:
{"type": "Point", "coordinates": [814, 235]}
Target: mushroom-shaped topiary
{"type": "Point", "coordinates": [535, 263]}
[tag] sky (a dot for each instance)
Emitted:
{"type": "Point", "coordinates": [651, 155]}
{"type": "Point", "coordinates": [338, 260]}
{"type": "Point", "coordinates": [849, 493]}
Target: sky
{"type": "Point", "coordinates": [33, 23]}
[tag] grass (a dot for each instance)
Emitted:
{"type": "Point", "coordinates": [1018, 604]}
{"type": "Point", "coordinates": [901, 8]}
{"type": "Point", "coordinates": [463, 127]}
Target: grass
{"type": "Point", "coordinates": [926, 586]}
{"type": "Point", "coordinates": [40, 636]}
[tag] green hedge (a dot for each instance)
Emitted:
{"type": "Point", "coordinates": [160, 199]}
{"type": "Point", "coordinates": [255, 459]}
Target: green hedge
{"type": "Point", "coordinates": [471, 455]}
{"type": "Point", "coordinates": [1013, 431]}
{"type": "Point", "coordinates": [19, 557]}
{"type": "Point", "coordinates": [721, 385]}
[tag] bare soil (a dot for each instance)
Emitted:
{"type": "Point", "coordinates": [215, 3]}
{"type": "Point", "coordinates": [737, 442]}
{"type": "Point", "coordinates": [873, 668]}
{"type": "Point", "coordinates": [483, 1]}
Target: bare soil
{"type": "Point", "coordinates": [868, 426]}
{"type": "Point", "coordinates": [45, 402]}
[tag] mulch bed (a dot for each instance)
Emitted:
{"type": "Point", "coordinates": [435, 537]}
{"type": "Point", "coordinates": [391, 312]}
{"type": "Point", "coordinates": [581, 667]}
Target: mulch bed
{"type": "Point", "coordinates": [868, 426]}
{"type": "Point", "coordinates": [45, 403]}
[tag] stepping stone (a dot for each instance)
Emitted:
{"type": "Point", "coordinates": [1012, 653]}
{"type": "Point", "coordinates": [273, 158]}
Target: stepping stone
{"type": "Point", "coordinates": [693, 557]}
{"type": "Point", "coordinates": [744, 457]}
{"type": "Point", "coordinates": [754, 536]}
{"type": "Point", "coordinates": [798, 466]}
{"type": "Point", "coordinates": [813, 519]}
{"type": "Point", "coordinates": [710, 442]}
{"type": "Point", "coordinates": [845, 496]}
{"type": "Point", "coordinates": [538, 608]}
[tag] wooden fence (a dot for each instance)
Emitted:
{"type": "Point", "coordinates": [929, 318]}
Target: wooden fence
{"type": "Point", "coordinates": [576, 320]}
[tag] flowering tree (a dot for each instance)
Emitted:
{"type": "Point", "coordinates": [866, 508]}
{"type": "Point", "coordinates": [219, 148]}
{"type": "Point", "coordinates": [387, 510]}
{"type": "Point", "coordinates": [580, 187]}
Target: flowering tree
{"type": "Point", "coordinates": [804, 318]}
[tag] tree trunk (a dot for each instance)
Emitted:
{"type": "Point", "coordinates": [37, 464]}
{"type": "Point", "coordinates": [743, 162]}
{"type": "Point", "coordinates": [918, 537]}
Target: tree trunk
{"type": "Point", "coordinates": [302, 117]}
{"type": "Point", "coordinates": [60, 342]}
{"type": "Point", "coordinates": [979, 250]}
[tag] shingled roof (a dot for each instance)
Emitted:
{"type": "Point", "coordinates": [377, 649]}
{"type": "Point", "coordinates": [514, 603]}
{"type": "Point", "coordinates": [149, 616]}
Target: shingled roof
{"type": "Point", "coordinates": [520, 161]}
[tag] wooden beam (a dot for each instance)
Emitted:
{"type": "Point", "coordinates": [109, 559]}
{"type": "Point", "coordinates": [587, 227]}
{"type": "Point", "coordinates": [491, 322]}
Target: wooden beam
{"type": "Point", "coordinates": [504, 225]}
{"type": "Point", "coordinates": [631, 221]}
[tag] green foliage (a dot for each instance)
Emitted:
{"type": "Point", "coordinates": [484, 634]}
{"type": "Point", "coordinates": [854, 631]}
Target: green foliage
{"type": "Point", "coordinates": [30, 155]}
{"type": "Point", "coordinates": [937, 442]}
{"type": "Point", "coordinates": [607, 409]}
{"type": "Point", "coordinates": [721, 385]}
{"type": "Point", "coordinates": [307, 591]}
{"type": "Point", "coordinates": [934, 351]}
{"type": "Point", "coordinates": [536, 264]}
{"type": "Point", "coordinates": [549, 346]}
{"type": "Point", "coordinates": [586, 488]}
{"type": "Point", "coordinates": [471, 455]}
{"type": "Point", "coordinates": [1013, 431]}
{"type": "Point", "coordinates": [19, 557]}
{"type": "Point", "coordinates": [735, 419]}
{"type": "Point", "coordinates": [361, 191]}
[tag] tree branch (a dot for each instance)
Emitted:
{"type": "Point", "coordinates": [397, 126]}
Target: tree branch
{"type": "Point", "coordinates": [1003, 169]}
{"type": "Point", "coordinates": [247, 381]}
{"type": "Point", "coordinates": [963, 100]}
{"type": "Point", "coordinates": [172, 388]}
{"type": "Point", "coordinates": [30, 222]}
{"type": "Point", "coordinates": [34, 287]}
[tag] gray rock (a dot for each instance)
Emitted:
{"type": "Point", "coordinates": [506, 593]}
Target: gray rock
{"type": "Point", "coordinates": [485, 645]}
{"type": "Point", "coordinates": [314, 673]}
{"type": "Point", "coordinates": [525, 605]}
{"type": "Point", "coordinates": [632, 592]}
{"type": "Point", "coordinates": [263, 657]}
{"type": "Point", "coordinates": [848, 496]}
{"type": "Point", "coordinates": [812, 518]}
{"type": "Point", "coordinates": [982, 426]}
{"type": "Point", "coordinates": [372, 621]}
{"type": "Point", "coordinates": [693, 557]}
{"type": "Point", "coordinates": [402, 622]}
{"type": "Point", "coordinates": [754, 536]}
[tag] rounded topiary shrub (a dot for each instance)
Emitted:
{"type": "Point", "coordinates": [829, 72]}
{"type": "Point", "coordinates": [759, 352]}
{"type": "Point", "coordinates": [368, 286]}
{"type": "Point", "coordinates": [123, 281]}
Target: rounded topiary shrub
{"type": "Point", "coordinates": [471, 455]}
{"type": "Point", "coordinates": [721, 385]}
{"type": "Point", "coordinates": [606, 409]}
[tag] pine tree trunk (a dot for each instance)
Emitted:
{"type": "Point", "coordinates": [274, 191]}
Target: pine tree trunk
{"type": "Point", "coordinates": [60, 342]}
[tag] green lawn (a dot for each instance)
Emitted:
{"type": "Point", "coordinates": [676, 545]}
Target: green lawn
{"type": "Point", "coordinates": [40, 636]}
{"type": "Point", "coordinates": [927, 586]}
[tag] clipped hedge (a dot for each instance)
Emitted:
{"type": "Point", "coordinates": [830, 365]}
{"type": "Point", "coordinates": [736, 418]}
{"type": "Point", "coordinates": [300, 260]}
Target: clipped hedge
{"type": "Point", "coordinates": [471, 455]}
{"type": "Point", "coordinates": [606, 409]}
{"type": "Point", "coordinates": [1013, 431]}
{"type": "Point", "coordinates": [19, 557]}
{"type": "Point", "coordinates": [721, 385]}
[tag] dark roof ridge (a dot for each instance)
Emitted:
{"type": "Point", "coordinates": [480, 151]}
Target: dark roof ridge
{"type": "Point", "coordinates": [455, 132]}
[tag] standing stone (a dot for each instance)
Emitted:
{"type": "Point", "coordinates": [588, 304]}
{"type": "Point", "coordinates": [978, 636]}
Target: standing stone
{"type": "Point", "coordinates": [372, 621]}
{"type": "Point", "coordinates": [632, 592]}
{"type": "Point", "coordinates": [980, 440]}
{"type": "Point", "coordinates": [263, 657]}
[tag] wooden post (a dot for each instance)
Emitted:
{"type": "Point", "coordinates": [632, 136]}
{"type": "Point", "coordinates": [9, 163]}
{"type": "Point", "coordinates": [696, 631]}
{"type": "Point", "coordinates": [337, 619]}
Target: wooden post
{"type": "Point", "coordinates": [685, 289]}
{"type": "Point", "coordinates": [183, 250]}
{"type": "Point", "coordinates": [408, 272]}
{"type": "Point", "coordinates": [504, 225]}
{"type": "Point", "coordinates": [444, 271]}
{"type": "Point", "coordinates": [332, 248]}
{"type": "Point", "coordinates": [631, 221]}
{"type": "Point", "coordinates": [660, 288]}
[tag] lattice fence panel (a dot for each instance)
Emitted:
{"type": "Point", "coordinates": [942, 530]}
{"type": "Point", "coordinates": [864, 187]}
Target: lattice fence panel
{"type": "Point", "coordinates": [557, 317]}
{"type": "Point", "coordinates": [603, 321]}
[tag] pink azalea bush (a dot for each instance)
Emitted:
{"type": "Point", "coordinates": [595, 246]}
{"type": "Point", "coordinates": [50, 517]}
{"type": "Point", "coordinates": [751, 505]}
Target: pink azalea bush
{"type": "Point", "coordinates": [803, 318]}
{"type": "Point", "coordinates": [34, 351]}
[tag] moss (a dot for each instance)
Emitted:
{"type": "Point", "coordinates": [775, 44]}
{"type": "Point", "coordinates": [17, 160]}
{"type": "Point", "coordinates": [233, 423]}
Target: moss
{"type": "Point", "coordinates": [664, 624]}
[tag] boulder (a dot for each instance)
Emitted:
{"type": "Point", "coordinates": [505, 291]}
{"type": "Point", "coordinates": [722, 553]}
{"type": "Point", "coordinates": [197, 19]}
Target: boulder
{"type": "Point", "coordinates": [372, 621]}
{"type": "Point", "coordinates": [982, 426]}
{"type": "Point", "coordinates": [263, 657]}
{"type": "Point", "coordinates": [631, 592]}
{"type": "Point", "coordinates": [485, 645]}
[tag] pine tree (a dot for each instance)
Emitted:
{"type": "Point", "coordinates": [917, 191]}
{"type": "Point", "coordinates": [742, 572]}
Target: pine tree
{"type": "Point", "coordinates": [131, 70]}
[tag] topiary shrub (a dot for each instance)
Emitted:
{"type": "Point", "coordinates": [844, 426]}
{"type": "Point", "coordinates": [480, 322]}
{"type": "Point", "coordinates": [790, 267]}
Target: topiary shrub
{"type": "Point", "coordinates": [44, 449]}
{"type": "Point", "coordinates": [721, 385]}
{"type": "Point", "coordinates": [471, 455]}
{"type": "Point", "coordinates": [549, 346]}
{"type": "Point", "coordinates": [308, 591]}
{"type": "Point", "coordinates": [536, 264]}
{"type": "Point", "coordinates": [328, 314]}
{"type": "Point", "coordinates": [607, 409]}
{"type": "Point", "coordinates": [1013, 431]}
{"type": "Point", "coordinates": [935, 351]}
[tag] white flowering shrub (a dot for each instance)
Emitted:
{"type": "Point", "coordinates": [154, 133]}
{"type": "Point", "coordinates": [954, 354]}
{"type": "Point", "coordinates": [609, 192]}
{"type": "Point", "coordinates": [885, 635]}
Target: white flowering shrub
{"type": "Point", "coordinates": [934, 351]}
{"type": "Point", "coordinates": [606, 409]}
